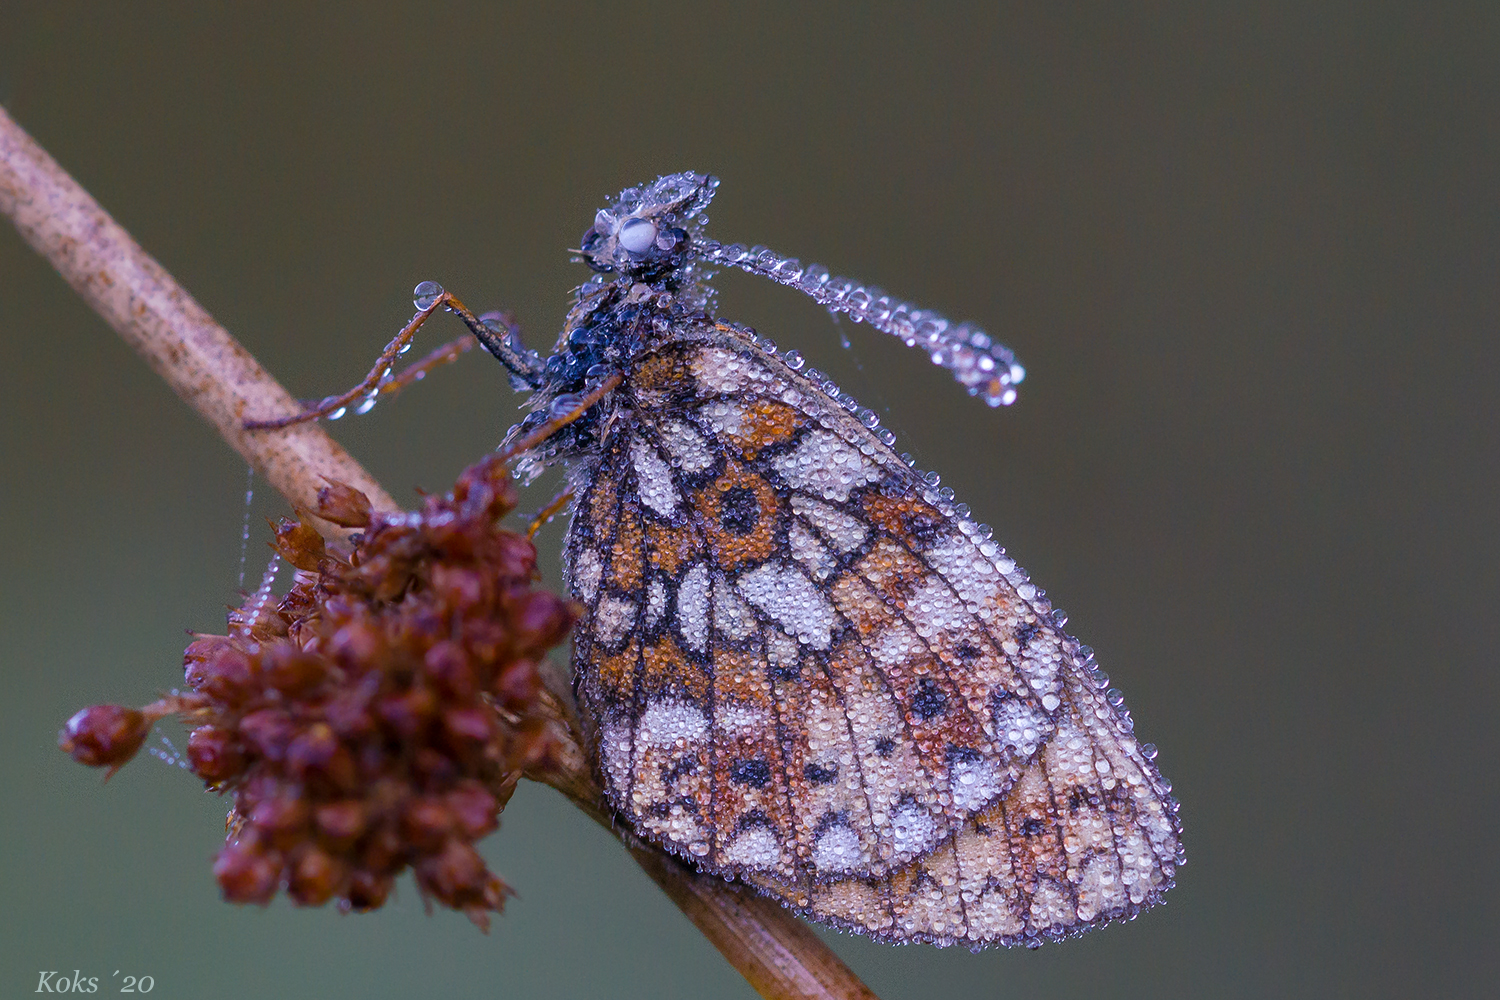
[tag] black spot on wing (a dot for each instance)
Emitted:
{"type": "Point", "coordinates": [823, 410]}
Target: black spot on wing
{"type": "Point", "coordinates": [929, 700]}
{"type": "Point", "coordinates": [754, 773]}
{"type": "Point", "coordinates": [817, 774]}
{"type": "Point", "coordinates": [739, 510]}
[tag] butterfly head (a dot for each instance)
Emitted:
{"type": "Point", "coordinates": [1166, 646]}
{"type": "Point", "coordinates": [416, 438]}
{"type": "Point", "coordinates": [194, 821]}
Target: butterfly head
{"type": "Point", "coordinates": [645, 235]}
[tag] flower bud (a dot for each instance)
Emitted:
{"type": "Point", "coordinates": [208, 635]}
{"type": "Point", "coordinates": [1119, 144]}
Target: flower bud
{"type": "Point", "coordinates": [214, 754]}
{"type": "Point", "coordinates": [343, 505]}
{"type": "Point", "coordinates": [246, 873]}
{"type": "Point", "coordinates": [314, 877]}
{"type": "Point", "coordinates": [104, 735]}
{"type": "Point", "coordinates": [299, 544]}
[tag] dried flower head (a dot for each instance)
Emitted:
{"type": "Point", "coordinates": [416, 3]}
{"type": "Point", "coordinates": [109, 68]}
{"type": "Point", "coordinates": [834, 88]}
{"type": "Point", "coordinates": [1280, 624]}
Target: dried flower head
{"type": "Point", "coordinates": [378, 716]}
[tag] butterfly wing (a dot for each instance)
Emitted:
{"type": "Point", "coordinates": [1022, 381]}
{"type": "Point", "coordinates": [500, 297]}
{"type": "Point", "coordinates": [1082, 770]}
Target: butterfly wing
{"type": "Point", "coordinates": [802, 667]}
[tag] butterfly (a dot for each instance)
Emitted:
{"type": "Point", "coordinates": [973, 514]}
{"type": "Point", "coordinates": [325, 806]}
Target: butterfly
{"type": "Point", "coordinates": [800, 663]}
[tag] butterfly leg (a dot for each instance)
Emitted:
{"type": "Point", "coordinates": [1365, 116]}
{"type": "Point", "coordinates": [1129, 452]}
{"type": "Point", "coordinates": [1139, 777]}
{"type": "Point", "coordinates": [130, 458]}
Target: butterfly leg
{"type": "Point", "coordinates": [532, 438]}
{"type": "Point", "coordinates": [380, 381]}
{"type": "Point", "coordinates": [548, 512]}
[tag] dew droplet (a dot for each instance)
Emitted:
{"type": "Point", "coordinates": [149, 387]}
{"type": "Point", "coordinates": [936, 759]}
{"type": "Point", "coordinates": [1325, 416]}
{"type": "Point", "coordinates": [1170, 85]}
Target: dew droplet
{"type": "Point", "coordinates": [565, 404]}
{"type": "Point", "coordinates": [638, 235]}
{"type": "Point", "coordinates": [426, 294]}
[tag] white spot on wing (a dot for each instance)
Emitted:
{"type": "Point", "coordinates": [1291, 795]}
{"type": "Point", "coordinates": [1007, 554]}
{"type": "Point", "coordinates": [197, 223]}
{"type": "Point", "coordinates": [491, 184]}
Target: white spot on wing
{"type": "Point", "coordinates": [790, 599]}
{"type": "Point", "coordinates": [724, 418]}
{"type": "Point", "coordinates": [656, 602]}
{"type": "Point", "coordinates": [692, 607]}
{"type": "Point", "coordinates": [1040, 667]}
{"type": "Point", "coordinates": [825, 464]}
{"type": "Point", "coordinates": [756, 847]}
{"type": "Point", "coordinates": [974, 782]}
{"type": "Point", "coordinates": [733, 718]}
{"type": "Point", "coordinates": [586, 570]}
{"type": "Point", "coordinates": [1021, 725]}
{"type": "Point", "coordinates": [732, 616]}
{"type": "Point", "coordinates": [719, 370]}
{"type": "Point", "coordinates": [913, 829]}
{"type": "Point", "coordinates": [664, 723]}
{"type": "Point", "coordinates": [844, 532]}
{"type": "Point", "coordinates": [781, 649]}
{"type": "Point", "coordinates": [895, 645]}
{"type": "Point", "coordinates": [613, 619]}
{"type": "Point", "coordinates": [653, 478]}
{"type": "Point", "coordinates": [686, 446]}
{"type": "Point", "coordinates": [808, 551]}
{"type": "Point", "coordinates": [938, 610]}
{"type": "Point", "coordinates": [962, 564]}
{"type": "Point", "coordinates": [836, 850]}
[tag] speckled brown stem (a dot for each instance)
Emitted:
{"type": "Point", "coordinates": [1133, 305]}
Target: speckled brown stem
{"type": "Point", "coordinates": [774, 951]}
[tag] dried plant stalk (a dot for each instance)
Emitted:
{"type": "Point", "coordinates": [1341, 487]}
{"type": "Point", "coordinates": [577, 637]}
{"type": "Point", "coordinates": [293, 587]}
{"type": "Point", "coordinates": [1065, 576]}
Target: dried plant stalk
{"type": "Point", "coordinates": [778, 955]}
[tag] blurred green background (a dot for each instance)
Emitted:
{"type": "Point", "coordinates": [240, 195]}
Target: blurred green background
{"type": "Point", "coordinates": [1248, 254]}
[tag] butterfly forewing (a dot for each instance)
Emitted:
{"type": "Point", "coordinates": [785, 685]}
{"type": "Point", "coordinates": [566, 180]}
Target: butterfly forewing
{"type": "Point", "coordinates": [802, 667]}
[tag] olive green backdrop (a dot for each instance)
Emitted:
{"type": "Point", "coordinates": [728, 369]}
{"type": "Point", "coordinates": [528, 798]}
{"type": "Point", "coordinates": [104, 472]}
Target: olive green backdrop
{"type": "Point", "coordinates": [1249, 257]}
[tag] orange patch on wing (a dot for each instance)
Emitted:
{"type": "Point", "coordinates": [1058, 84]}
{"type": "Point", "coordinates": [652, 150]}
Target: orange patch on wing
{"type": "Point", "coordinates": [741, 677]}
{"type": "Point", "coordinates": [1031, 823]}
{"type": "Point", "coordinates": [765, 423]}
{"type": "Point", "coordinates": [616, 674]}
{"type": "Point", "coordinates": [740, 511]}
{"type": "Point", "coordinates": [857, 603]}
{"type": "Point", "coordinates": [894, 572]}
{"type": "Point", "coordinates": [662, 378]}
{"type": "Point", "coordinates": [912, 521]}
{"type": "Point", "coordinates": [602, 503]}
{"type": "Point", "coordinates": [625, 556]}
{"type": "Point", "coordinates": [670, 548]}
{"type": "Point", "coordinates": [668, 671]}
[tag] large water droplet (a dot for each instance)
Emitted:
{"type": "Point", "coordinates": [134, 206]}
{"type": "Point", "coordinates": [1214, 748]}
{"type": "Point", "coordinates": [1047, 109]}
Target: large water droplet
{"type": "Point", "coordinates": [637, 235]}
{"type": "Point", "coordinates": [565, 404]}
{"type": "Point", "coordinates": [425, 294]}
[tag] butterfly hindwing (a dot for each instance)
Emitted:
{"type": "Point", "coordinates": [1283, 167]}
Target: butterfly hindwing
{"type": "Point", "coordinates": [801, 666]}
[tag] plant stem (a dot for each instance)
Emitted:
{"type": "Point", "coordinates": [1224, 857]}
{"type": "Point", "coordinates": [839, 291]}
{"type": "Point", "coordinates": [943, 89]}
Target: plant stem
{"type": "Point", "coordinates": [217, 377]}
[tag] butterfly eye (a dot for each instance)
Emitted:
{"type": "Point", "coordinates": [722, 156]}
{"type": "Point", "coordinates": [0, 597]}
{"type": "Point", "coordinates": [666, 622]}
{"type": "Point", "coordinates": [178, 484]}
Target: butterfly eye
{"type": "Point", "coordinates": [638, 235]}
{"type": "Point", "coordinates": [592, 241]}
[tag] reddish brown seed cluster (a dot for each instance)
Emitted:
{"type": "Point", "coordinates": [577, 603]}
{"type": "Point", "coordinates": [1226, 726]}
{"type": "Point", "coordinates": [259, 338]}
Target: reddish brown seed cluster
{"type": "Point", "coordinates": [378, 716]}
